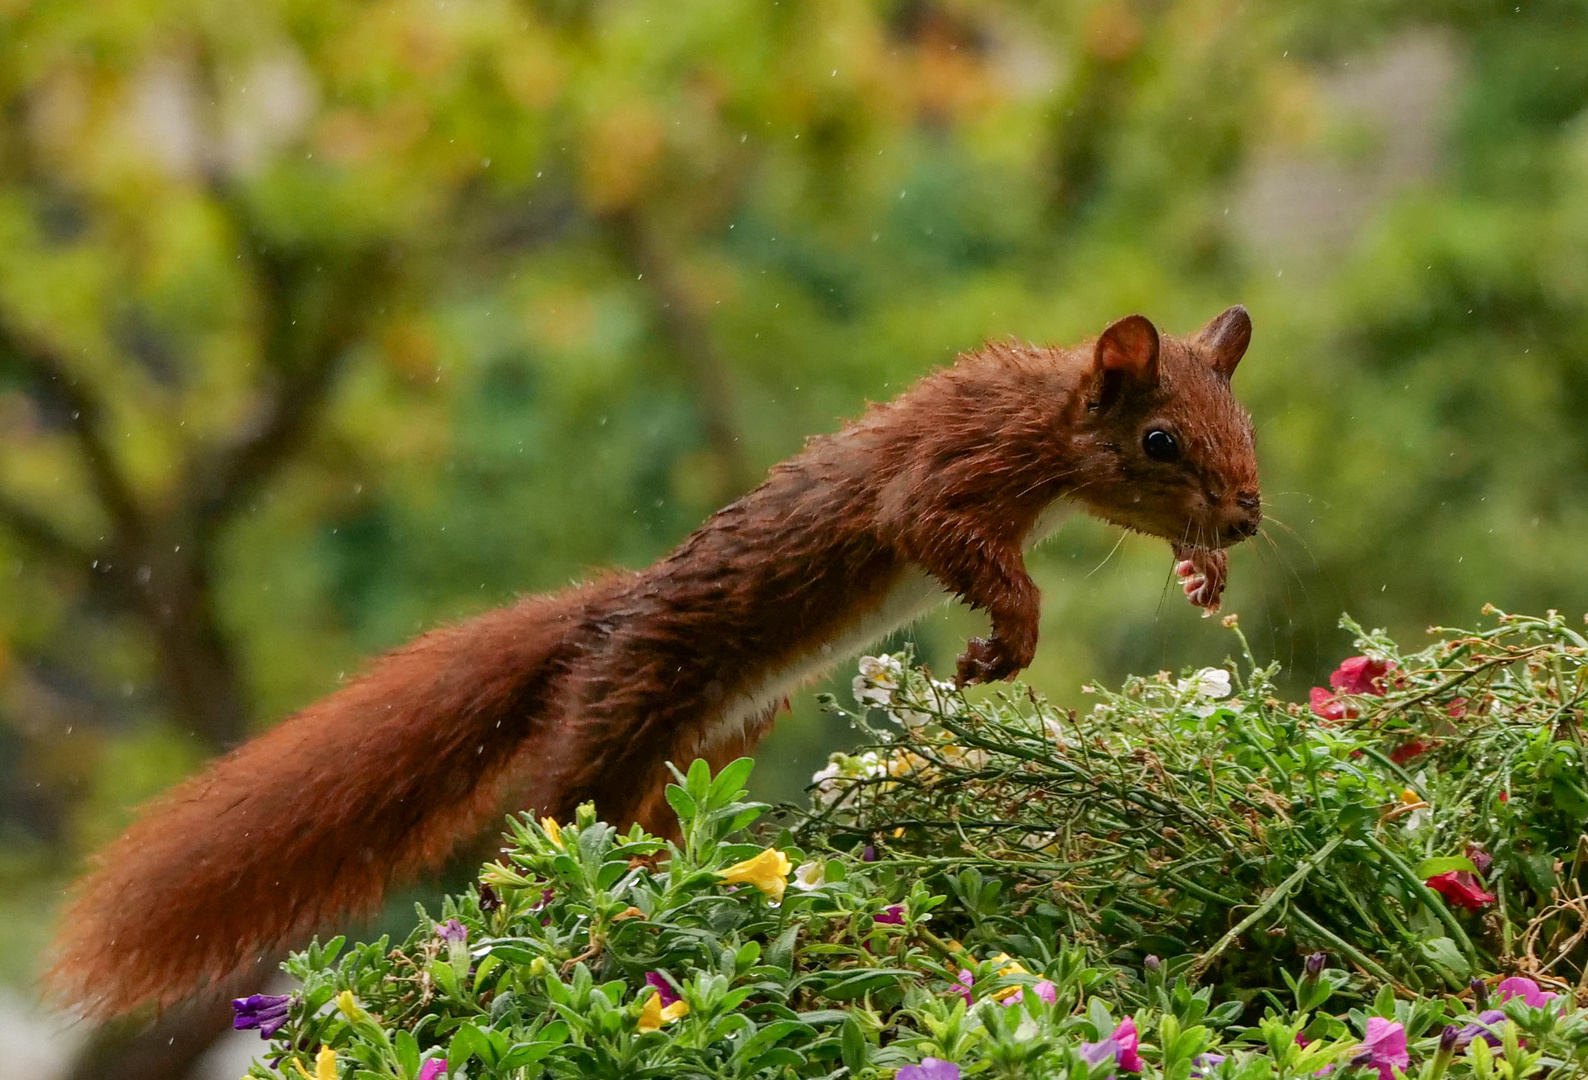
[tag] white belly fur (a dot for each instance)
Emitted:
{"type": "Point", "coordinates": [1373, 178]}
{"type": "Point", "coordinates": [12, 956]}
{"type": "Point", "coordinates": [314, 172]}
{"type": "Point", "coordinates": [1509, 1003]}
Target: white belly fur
{"type": "Point", "coordinates": [912, 596]}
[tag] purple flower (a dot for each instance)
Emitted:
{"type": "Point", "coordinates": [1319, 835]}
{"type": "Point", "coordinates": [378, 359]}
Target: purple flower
{"type": "Point", "coordinates": [1383, 1047]}
{"type": "Point", "coordinates": [665, 993]}
{"type": "Point", "coordinates": [1095, 1053]}
{"type": "Point", "coordinates": [1480, 993]}
{"type": "Point", "coordinates": [1045, 990]}
{"type": "Point", "coordinates": [1123, 1046]}
{"type": "Point", "coordinates": [1480, 856]}
{"type": "Point", "coordinates": [1205, 1062]}
{"type": "Point", "coordinates": [1526, 989]}
{"type": "Point", "coordinates": [868, 853]}
{"type": "Point", "coordinates": [892, 915]}
{"type": "Point", "coordinates": [453, 932]}
{"type": "Point", "coordinates": [432, 1069]}
{"type": "Point", "coordinates": [930, 1069]}
{"type": "Point", "coordinates": [267, 1012]}
{"type": "Point", "coordinates": [966, 981]}
{"type": "Point", "coordinates": [1486, 1029]}
{"type": "Point", "coordinates": [1314, 964]}
{"type": "Point", "coordinates": [489, 901]}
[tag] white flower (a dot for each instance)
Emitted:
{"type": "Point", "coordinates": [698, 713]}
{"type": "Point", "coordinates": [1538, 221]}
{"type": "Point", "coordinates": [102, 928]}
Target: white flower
{"type": "Point", "coordinates": [828, 790]}
{"type": "Point", "coordinates": [1210, 682]}
{"type": "Point", "coordinates": [872, 767]}
{"type": "Point", "coordinates": [879, 677]}
{"type": "Point", "coordinates": [810, 875]}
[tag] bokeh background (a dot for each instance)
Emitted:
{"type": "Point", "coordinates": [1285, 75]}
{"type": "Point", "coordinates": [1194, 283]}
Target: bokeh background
{"type": "Point", "coordinates": [325, 321]}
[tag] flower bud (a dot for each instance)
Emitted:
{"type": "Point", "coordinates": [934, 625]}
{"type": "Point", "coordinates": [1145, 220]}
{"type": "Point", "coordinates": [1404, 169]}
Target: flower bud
{"type": "Point", "coordinates": [1314, 964]}
{"type": "Point", "coordinates": [1152, 963]}
{"type": "Point", "coordinates": [1480, 995]}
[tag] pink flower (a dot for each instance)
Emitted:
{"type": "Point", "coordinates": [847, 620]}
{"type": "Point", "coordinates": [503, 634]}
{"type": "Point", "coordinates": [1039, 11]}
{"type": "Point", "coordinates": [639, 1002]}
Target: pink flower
{"type": "Point", "coordinates": [1129, 1041]}
{"type": "Point", "coordinates": [892, 915]}
{"type": "Point", "coordinates": [1526, 989]}
{"type": "Point", "coordinates": [432, 1069]}
{"type": "Point", "coordinates": [1460, 887]}
{"type": "Point", "coordinates": [1384, 1047]}
{"type": "Point", "coordinates": [1327, 706]}
{"type": "Point", "coordinates": [966, 981]}
{"type": "Point", "coordinates": [1360, 675]}
{"type": "Point", "coordinates": [1045, 990]}
{"type": "Point", "coordinates": [1123, 1046]}
{"type": "Point", "coordinates": [1408, 750]}
{"type": "Point", "coordinates": [665, 993]}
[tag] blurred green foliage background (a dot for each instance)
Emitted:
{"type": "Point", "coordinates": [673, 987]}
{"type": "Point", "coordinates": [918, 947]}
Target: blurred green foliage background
{"type": "Point", "coordinates": [322, 321]}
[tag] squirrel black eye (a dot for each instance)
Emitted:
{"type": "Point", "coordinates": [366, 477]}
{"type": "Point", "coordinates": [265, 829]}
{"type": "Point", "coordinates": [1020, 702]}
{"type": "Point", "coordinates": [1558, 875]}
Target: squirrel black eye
{"type": "Point", "coordinates": [1160, 445]}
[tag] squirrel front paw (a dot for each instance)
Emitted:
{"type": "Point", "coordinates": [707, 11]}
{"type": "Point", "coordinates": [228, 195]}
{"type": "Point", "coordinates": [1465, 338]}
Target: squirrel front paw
{"type": "Point", "coordinates": [990, 659]}
{"type": "Point", "coordinates": [1202, 573]}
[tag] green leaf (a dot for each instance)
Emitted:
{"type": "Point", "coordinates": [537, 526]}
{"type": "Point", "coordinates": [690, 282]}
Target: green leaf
{"type": "Point", "coordinates": [853, 1045]}
{"type": "Point", "coordinates": [1447, 864]}
{"type": "Point", "coordinates": [730, 782]}
{"type": "Point", "coordinates": [681, 802]}
{"type": "Point", "coordinates": [407, 1054]}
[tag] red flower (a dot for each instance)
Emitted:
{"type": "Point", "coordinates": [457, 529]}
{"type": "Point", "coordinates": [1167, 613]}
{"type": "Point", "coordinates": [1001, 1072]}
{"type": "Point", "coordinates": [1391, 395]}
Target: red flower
{"type": "Point", "coordinates": [1505, 796]}
{"type": "Point", "coordinates": [1360, 675]}
{"type": "Point", "coordinates": [1457, 707]}
{"type": "Point", "coordinates": [1406, 751]}
{"type": "Point", "coordinates": [1327, 706]}
{"type": "Point", "coordinates": [1460, 887]}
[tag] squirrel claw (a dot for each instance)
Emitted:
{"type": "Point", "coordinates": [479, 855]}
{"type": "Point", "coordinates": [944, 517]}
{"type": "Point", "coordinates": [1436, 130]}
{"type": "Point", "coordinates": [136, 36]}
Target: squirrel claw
{"type": "Point", "coordinates": [984, 661]}
{"type": "Point", "coordinates": [1202, 573]}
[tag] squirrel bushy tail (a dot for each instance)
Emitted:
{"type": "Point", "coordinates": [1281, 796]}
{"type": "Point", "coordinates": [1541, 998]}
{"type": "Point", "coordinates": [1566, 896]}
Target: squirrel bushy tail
{"type": "Point", "coordinates": [321, 815]}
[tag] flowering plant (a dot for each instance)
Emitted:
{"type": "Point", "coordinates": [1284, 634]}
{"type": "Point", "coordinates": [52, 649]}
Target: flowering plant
{"type": "Point", "coordinates": [1193, 880]}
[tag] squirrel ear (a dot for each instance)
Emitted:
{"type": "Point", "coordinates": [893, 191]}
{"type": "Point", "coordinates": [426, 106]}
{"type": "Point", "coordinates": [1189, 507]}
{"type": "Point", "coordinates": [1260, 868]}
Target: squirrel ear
{"type": "Point", "coordinates": [1223, 341]}
{"type": "Point", "coordinates": [1128, 348]}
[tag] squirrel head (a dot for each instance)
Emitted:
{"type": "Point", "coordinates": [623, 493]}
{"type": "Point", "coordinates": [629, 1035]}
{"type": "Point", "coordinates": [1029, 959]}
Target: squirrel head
{"type": "Point", "coordinates": [1168, 449]}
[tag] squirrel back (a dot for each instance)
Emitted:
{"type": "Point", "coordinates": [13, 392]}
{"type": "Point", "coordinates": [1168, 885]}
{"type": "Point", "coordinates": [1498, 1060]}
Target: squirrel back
{"type": "Point", "coordinates": [587, 693]}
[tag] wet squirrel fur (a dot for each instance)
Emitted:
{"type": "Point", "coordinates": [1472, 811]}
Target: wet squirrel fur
{"type": "Point", "coordinates": [587, 693]}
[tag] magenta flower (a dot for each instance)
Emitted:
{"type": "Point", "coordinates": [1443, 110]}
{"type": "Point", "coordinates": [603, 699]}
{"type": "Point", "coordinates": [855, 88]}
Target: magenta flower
{"type": "Point", "coordinates": [930, 1069]}
{"type": "Point", "coordinates": [432, 1069]}
{"type": "Point", "coordinates": [665, 993]}
{"type": "Point", "coordinates": [453, 932]}
{"type": "Point", "coordinates": [1480, 856]}
{"type": "Point", "coordinates": [1384, 1047]}
{"type": "Point", "coordinates": [1360, 675]}
{"type": "Point", "coordinates": [891, 916]}
{"type": "Point", "coordinates": [267, 1012]}
{"type": "Point", "coordinates": [1526, 989]}
{"type": "Point", "coordinates": [1124, 1046]}
{"type": "Point", "coordinates": [963, 987]}
{"type": "Point", "coordinates": [1327, 706]}
{"type": "Point", "coordinates": [1461, 887]}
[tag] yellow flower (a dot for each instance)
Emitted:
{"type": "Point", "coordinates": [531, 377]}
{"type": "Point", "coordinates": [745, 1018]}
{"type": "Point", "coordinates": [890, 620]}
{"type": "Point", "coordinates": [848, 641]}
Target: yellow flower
{"type": "Point", "coordinates": [1010, 967]}
{"type": "Point", "coordinates": [348, 1007]}
{"type": "Point", "coordinates": [653, 1014]}
{"type": "Point", "coordinates": [553, 830]}
{"type": "Point", "coordinates": [324, 1065]}
{"type": "Point", "coordinates": [767, 871]}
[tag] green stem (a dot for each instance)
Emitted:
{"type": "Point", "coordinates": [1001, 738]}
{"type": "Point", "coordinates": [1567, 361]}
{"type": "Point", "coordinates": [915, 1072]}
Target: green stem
{"type": "Point", "coordinates": [1432, 899]}
{"type": "Point", "coordinates": [1270, 902]}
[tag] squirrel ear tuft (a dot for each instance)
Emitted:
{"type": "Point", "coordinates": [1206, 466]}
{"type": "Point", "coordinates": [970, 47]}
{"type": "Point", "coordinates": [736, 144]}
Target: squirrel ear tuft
{"type": "Point", "coordinates": [1223, 341]}
{"type": "Point", "coordinates": [1129, 348]}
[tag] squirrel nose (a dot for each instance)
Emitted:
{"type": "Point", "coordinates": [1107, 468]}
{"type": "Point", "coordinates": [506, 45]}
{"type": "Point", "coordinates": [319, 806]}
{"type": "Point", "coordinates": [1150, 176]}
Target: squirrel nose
{"type": "Point", "coordinates": [1250, 518]}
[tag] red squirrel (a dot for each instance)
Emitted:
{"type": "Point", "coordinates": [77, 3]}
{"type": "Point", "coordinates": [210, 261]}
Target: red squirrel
{"type": "Point", "coordinates": [587, 693]}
